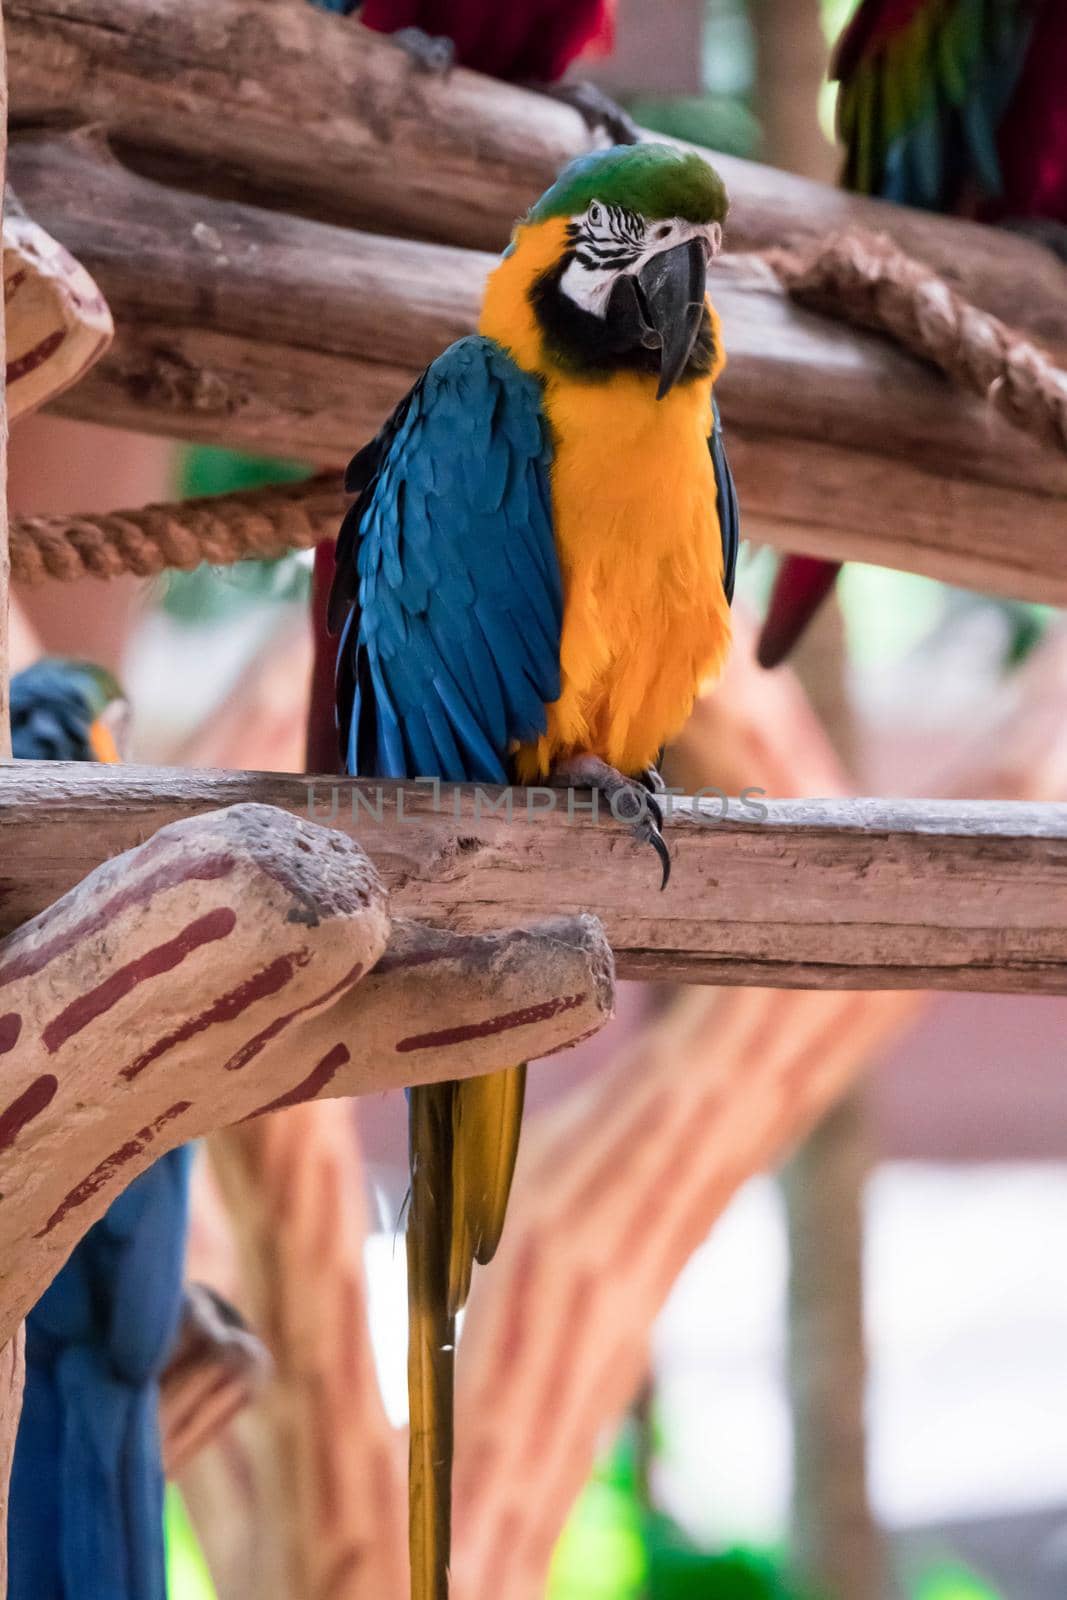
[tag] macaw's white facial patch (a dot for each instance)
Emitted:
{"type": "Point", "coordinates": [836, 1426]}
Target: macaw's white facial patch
{"type": "Point", "coordinates": [608, 242]}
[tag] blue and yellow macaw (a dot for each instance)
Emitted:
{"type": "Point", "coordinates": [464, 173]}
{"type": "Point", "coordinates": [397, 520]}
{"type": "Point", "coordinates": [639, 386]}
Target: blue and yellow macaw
{"type": "Point", "coordinates": [533, 585]}
{"type": "Point", "coordinates": [85, 1517]}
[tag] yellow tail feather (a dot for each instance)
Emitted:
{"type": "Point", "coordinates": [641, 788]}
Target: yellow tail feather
{"type": "Point", "coordinates": [486, 1121]}
{"type": "Point", "coordinates": [431, 1341]}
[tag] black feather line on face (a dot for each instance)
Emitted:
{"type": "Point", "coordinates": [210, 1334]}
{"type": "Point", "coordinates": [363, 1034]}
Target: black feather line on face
{"type": "Point", "coordinates": [590, 347]}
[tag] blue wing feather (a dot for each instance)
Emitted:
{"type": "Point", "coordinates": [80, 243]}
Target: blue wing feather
{"type": "Point", "coordinates": [449, 568]}
{"type": "Point", "coordinates": [86, 1505]}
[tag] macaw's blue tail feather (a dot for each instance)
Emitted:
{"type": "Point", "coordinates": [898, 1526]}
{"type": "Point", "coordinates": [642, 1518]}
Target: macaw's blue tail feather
{"type": "Point", "coordinates": [85, 1518]}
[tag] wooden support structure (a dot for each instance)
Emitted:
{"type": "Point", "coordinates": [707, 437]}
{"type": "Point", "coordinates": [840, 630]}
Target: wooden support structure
{"type": "Point", "coordinates": [228, 940]}
{"type": "Point", "coordinates": [262, 330]}
{"type": "Point", "coordinates": [824, 894]}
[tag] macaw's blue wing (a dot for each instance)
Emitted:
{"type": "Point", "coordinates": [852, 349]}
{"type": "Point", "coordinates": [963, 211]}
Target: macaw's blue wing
{"type": "Point", "coordinates": [448, 584]}
{"type": "Point", "coordinates": [726, 504]}
{"type": "Point", "coordinates": [85, 1517]}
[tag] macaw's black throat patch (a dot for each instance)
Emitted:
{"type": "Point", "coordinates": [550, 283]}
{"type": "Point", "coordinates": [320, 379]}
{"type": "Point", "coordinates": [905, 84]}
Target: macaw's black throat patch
{"type": "Point", "coordinates": [594, 347]}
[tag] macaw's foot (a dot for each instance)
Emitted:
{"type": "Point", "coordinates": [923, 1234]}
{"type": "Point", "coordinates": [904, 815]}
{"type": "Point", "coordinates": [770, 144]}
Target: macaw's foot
{"type": "Point", "coordinates": [599, 112]}
{"type": "Point", "coordinates": [1053, 235]}
{"type": "Point", "coordinates": [432, 53]}
{"type": "Point", "coordinates": [632, 800]}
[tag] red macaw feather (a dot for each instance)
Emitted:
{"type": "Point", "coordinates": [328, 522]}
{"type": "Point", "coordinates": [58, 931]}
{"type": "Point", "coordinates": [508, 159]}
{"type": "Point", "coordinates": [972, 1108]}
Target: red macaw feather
{"type": "Point", "coordinates": [874, 24]}
{"type": "Point", "coordinates": [525, 40]}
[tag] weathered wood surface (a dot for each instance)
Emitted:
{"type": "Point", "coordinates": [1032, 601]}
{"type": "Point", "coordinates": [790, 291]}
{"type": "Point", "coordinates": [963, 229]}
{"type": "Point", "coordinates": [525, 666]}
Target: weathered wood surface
{"type": "Point", "coordinates": [315, 112]}
{"type": "Point", "coordinates": [824, 894]}
{"type": "Point", "coordinates": [257, 329]}
{"type": "Point", "coordinates": [226, 941]}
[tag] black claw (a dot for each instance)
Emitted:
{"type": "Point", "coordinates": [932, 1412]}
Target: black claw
{"type": "Point", "coordinates": [658, 843]}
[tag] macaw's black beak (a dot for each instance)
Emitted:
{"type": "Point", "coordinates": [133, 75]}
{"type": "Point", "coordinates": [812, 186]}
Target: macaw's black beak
{"type": "Point", "coordinates": [672, 287]}
{"type": "Point", "coordinates": [661, 308]}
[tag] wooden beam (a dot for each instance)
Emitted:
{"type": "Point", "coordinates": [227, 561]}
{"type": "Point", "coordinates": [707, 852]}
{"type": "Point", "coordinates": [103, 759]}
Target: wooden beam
{"type": "Point", "coordinates": [262, 330]}
{"type": "Point", "coordinates": [820, 894]}
{"type": "Point", "coordinates": [314, 112]}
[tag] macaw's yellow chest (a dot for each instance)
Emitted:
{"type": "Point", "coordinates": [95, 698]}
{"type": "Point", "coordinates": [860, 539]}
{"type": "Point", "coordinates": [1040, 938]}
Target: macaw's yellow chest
{"type": "Point", "coordinates": [646, 621]}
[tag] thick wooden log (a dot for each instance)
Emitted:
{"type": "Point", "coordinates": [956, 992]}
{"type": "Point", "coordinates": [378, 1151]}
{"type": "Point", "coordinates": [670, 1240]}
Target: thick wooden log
{"type": "Point", "coordinates": [261, 330]}
{"type": "Point", "coordinates": [823, 894]}
{"type": "Point", "coordinates": [315, 112]}
{"type": "Point", "coordinates": [132, 1008]}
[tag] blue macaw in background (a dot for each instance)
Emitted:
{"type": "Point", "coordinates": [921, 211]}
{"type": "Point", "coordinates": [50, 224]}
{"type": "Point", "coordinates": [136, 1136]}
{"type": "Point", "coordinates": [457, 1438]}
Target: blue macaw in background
{"type": "Point", "coordinates": [85, 1518]}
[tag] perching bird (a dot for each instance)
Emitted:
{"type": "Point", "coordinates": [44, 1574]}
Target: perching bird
{"type": "Point", "coordinates": [67, 711]}
{"type": "Point", "coordinates": [954, 106]}
{"type": "Point", "coordinates": [529, 42]}
{"type": "Point", "coordinates": [533, 585]}
{"type": "Point", "coordinates": [85, 1516]}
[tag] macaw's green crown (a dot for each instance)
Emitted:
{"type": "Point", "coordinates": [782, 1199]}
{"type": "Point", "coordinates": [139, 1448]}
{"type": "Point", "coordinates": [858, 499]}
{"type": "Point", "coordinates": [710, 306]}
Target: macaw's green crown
{"type": "Point", "coordinates": [655, 180]}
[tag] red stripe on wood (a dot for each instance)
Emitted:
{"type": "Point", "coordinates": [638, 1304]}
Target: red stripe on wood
{"type": "Point", "coordinates": [261, 1040]}
{"type": "Point", "coordinates": [268, 980]}
{"type": "Point", "coordinates": [106, 1169]}
{"type": "Point", "coordinates": [35, 357]}
{"type": "Point", "coordinates": [184, 869]}
{"type": "Point", "coordinates": [10, 1028]}
{"type": "Point", "coordinates": [30, 1103]}
{"type": "Point", "coordinates": [209, 928]}
{"type": "Point", "coordinates": [483, 1030]}
{"type": "Point", "coordinates": [309, 1087]}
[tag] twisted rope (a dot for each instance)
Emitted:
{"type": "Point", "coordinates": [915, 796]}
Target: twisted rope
{"type": "Point", "coordinates": [864, 279]}
{"type": "Point", "coordinates": [857, 277]}
{"type": "Point", "coordinates": [221, 529]}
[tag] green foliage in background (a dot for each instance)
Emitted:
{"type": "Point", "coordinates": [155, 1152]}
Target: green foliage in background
{"type": "Point", "coordinates": [615, 1548]}
{"type": "Point", "coordinates": [187, 1574]}
{"type": "Point", "coordinates": [210, 594]}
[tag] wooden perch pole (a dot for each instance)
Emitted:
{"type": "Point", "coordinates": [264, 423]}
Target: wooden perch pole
{"type": "Point", "coordinates": [825, 894]}
{"type": "Point", "coordinates": [269, 923]}
{"type": "Point", "coordinates": [262, 330]}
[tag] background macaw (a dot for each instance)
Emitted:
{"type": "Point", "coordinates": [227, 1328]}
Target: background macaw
{"type": "Point", "coordinates": [533, 585]}
{"type": "Point", "coordinates": [85, 1516]}
{"type": "Point", "coordinates": [955, 106]}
